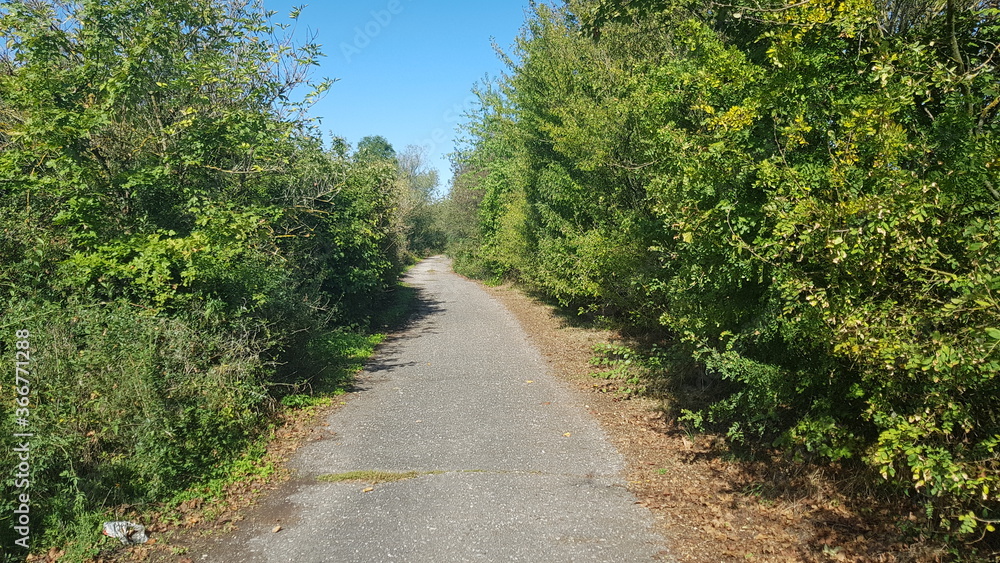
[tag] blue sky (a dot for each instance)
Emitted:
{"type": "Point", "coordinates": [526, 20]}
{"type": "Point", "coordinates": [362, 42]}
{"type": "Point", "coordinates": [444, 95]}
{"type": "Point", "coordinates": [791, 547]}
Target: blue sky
{"type": "Point", "coordinates": [405, 67]}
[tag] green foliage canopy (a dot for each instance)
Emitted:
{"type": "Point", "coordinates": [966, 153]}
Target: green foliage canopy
{"type": "Point", "coordinates": [803, 194]}
{"type": "Point", "coordinates": [175, 239]}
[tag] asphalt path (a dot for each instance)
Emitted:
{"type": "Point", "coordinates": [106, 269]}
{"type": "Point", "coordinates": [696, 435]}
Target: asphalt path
{"type": "Point", "coordinates": [509, 465]}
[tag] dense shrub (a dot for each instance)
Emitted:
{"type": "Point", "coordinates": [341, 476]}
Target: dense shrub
{"type": "Point", "coordinates": [177, 242]}
{"type": "Point", "coordinates": [804, 195]}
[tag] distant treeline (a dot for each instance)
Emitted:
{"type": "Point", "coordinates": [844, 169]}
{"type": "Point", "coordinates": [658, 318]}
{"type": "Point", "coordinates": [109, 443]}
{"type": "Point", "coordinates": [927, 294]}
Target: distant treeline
{"type": "Point", "coordinates": [803, 195]}
{"type": "Point", "coordinates": [177, 247]}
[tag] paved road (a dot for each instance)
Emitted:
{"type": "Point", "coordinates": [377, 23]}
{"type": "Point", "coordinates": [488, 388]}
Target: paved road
{"type": "Point", "coordinates": [512, 468]}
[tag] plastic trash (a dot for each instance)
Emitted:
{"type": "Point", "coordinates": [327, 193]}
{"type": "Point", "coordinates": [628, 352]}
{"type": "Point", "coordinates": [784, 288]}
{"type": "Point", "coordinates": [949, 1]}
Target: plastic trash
{"type": "Point", "coordinates": [126, 532]}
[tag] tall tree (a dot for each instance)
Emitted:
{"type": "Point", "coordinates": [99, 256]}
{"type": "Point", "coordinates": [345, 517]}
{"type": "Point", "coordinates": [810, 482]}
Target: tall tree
{"type": "Point", "coordinates": [374, 147]}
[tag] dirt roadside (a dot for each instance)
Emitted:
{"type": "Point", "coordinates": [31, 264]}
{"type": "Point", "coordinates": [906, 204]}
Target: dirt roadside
{"type": "Point", "coordinates": [713, 508]}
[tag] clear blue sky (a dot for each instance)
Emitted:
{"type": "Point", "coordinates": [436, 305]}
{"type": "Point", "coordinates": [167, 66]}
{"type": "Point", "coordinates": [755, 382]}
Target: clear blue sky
{"type": "Point", "coordinates": [405, 67]}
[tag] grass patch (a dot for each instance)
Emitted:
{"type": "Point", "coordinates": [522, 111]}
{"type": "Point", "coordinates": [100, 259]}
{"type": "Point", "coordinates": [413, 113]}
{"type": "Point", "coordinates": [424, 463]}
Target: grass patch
{"type": "Point", "coordinates": [253, 465]}
{"type": "Point", "coordinates": [340, 355]}
{"type": "Point", "coordinates": [397, 307]}
{"type": "Point", "coordinates": [628, 372]}
{"type": "Point", "coordinates": [332, 359]}
{"type": "Point", "coordinates": [373, 477]}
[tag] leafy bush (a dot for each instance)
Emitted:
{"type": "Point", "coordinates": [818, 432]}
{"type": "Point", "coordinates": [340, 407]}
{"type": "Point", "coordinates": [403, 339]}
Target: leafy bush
{"type": "Point", "coordinates": [803, 195]}
{"type": "Point", "coordinates": [127, 407]}
{"type": "Point", "coordinates": [178, 243]}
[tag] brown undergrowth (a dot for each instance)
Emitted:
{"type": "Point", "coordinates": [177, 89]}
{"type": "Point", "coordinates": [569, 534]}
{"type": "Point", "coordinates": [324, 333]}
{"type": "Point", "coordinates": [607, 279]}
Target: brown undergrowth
{"type": "Point", "coordinates": [711, 505]}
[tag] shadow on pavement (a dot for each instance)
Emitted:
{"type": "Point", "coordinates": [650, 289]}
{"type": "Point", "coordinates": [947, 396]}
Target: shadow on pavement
{"type": "Point", "coordinates": [420, 307]}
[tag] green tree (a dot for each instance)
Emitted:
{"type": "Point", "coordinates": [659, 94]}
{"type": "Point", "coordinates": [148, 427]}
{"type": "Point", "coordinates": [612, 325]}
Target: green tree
{"type": "Point", "coordinates": [374, 147]}
{"type": "Point", "coordinates": [419, 209]}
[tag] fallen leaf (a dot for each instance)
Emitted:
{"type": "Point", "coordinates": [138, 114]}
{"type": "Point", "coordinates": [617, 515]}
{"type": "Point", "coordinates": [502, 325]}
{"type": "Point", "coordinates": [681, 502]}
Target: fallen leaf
{"type": "Point", "coordinates": [568, 434]}
{"type": "Point", "coordinates": [368, 490]}
{"type": "Point", "coordinates": [276, 529]}
{"type": "Point", "coordinates": [529, 381]}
